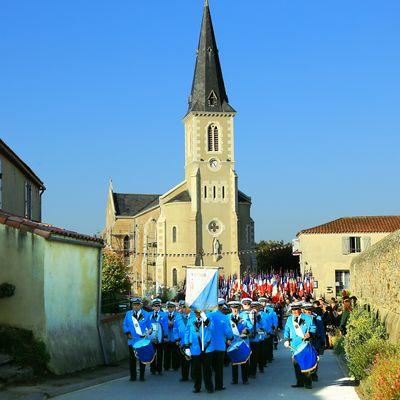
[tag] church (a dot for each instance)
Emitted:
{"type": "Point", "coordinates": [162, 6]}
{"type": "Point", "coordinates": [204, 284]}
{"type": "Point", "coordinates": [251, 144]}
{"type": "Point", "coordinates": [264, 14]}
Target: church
{"type": "Point", "coordinates": [205, 219]}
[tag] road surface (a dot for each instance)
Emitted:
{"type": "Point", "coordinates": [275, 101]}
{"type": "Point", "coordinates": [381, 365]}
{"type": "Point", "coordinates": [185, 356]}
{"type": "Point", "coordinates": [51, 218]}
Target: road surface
{"type": "Point", "coordinates": [272, 385]}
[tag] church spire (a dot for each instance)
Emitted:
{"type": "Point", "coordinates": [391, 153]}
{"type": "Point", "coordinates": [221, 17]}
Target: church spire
{"type": "Point", "coordinates": [208, 88]}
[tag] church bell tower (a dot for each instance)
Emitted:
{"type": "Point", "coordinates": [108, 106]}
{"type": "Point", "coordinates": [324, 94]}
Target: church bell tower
{"type": "Point", "coordinates": [210, 158]}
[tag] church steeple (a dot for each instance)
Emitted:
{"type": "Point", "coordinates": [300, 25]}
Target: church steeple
{"type": "Point", "coordinates": [208, 88]}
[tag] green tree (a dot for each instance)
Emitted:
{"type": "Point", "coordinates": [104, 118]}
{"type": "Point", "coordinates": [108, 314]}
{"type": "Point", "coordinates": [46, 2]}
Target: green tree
{"type": "Point", "coordinates": [115, 278]}
{"type": "Point", "coordinates": [275, 255]}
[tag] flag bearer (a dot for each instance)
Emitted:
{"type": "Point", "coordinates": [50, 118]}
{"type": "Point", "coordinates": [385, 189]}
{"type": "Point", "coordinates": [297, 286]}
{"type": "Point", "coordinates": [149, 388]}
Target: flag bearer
{"type": "Point", "coordinates": [198, 343]}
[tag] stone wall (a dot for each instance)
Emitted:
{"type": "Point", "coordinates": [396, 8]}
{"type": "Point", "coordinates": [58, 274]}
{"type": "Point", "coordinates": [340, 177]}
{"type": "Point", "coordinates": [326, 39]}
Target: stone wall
{"type": "Point", "coordinates": [114, 341]}
{"type": "Point", "coordinates": [375, 280]}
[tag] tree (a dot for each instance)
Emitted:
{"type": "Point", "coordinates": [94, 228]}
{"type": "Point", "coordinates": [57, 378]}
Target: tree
{"type": "Point", "coordinates": [115, 278]}
{"type": "Point", "coordinates": [276, 256]}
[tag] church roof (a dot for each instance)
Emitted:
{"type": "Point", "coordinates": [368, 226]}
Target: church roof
{"type": "Point", "coordinates": [128, 205]}
{"type": "Point", "coordinates": [243, 198]}
{"type": "Point", "coordinates": [208, 88]}
{"type": "Point", "coordinates": [183, 197]}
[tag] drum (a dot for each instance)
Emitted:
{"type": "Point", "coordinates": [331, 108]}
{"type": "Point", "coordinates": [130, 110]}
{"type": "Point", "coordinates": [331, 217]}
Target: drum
{"type": "Point", "coordinates": [144, 351]}
{"type": "Point", "coordinates": [239, 352]}
{"type": "Point", "coordinates": [306, 356]}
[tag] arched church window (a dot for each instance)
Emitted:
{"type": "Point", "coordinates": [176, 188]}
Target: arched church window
{"type": "Point", "coordinates": [174, 234]}
{"type": "Point", "coordinates": [205, 192]}
{"type": "Point", "coordinates": [215, 138]}
{"type": "Point", "coordinates": [214, 192]}
{"type": "Point", "coordinates": [212, 138]}
{"type": "Point", "coordinates": [223, 192]}
{"type": "Point", "coordinates": [174, 277]}
{"type": "Point", "coordinates": [127, 246]}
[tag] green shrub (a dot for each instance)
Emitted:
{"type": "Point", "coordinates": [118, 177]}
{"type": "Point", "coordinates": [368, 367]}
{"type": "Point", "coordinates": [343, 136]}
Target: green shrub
{"type": "Point", "coordinates": [384, 381]}
{"type": "Point", "coordinates": [365, 338]}
{"type": "Point", "coordinates": [25, 348]}
{"type": "Point", "coordinates": [338, 345]}
{"type": "Point", "coordinates": [363, 355]}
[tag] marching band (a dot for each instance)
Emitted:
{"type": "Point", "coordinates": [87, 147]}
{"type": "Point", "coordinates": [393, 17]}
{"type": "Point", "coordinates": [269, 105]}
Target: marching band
{"type": "Point", "coordinates": [199, 343]}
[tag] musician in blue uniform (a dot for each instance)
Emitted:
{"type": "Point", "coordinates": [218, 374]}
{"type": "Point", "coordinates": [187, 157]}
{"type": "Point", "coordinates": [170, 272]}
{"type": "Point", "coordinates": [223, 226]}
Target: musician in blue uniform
{"type": "Point", "coordinates": [136, 326]}
{"type": "Point", "coordinates": [273, 320]}
{"type": "Point", "coordinates": [159, 335]}
{"type": "Point", "coordinates": [171, 354]}
{"type": "Point", "coordinates": [299, 328]}
{"type": "Point", "coordinates": [240, 331]}
{"type": "Point", "coordinates": [180, 326]}
{"type": "Point", "coordinates": [317, 340]}
{"type": "Point", "coordinates": [256, 335]}
{"type": "Point", "coordinates": [198, 343]}
{"type": "Point", "coordinates": [266, 340]}
{"type": "Point", "coordinates": [221, 334]}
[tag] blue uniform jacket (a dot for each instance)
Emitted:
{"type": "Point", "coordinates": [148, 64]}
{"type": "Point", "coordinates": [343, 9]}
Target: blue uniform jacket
{"type": "Point", "coordinates": [128, 327]}
{"type": "Point", "coordinates": [267, 323]}
{"type": "Point", "coordinates": [170, 329]}
{"type": "Point", "coordinates": [274, 316]}
{"type": "Point", "coordinates": [193, 336]}
{"type": "Point", "coordinates": [161, 320]}
{"type": "Point", "coordinates": [222, 330]}
{"type": "Point", "coordinates": [241, 325]}
{"type": "Point", "coordinates": [181, 324]}
{"type": "Point", "coordinates": [318, 339]}
{"type": "Point", "coordinates": [306, 324]}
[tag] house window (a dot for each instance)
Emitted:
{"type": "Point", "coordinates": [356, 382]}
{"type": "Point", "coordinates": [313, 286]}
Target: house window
{"type": "Point", "coordinates": [174, 277]}
{"type": "Point", "coordinates": [28, 200]}
{"type": "Point", "coordinates": [342, 279]}
{"type": "Point", "coordinates": [174, 234]}
{"type": "Point", "coordinates": [355, 244]}
{"type": "Point", "coordinates": [127, 247]}
{"type": "Point", "coordinates": [213, 138]}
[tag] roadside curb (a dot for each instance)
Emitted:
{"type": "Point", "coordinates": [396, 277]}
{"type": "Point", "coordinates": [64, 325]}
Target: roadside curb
{"type": "Point", "coordinates": [83, 385]}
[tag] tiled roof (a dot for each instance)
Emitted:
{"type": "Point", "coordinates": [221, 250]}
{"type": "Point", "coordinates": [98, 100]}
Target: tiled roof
{"type": "Point", "coordinates": [24, 168]}
{"type": "Point", "coordinates": [374, 224]}
{"type": "Point", "coordinates": [183, 197]}
{"type": "Point", "coordinates": [41, 229]}
{"type": "Point", "coordinates": [128, 205]}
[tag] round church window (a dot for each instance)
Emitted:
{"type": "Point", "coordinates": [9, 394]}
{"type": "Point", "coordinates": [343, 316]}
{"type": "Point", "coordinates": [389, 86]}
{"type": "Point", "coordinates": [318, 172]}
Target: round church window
{"type": "Point", "coordinates": [214, 227]}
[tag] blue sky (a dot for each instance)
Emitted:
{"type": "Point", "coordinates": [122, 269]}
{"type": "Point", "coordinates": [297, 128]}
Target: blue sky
{"type": "Point", "coordinates": [96, 89]}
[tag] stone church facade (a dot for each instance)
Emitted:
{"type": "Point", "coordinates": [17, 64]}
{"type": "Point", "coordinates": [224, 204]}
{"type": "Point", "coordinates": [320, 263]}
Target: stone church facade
{"type": "Point", "coordinates": [204, 220]}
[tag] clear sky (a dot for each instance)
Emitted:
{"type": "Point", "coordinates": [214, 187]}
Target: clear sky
{"type": "Point", "coordinates": [96, 89]}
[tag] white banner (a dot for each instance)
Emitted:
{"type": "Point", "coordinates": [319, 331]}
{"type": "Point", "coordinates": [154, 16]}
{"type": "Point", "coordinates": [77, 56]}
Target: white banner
{"type": "Point", "coordinates": [202, 287]}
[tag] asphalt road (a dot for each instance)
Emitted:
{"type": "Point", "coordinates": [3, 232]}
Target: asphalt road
{"type": "Point", "coordinates": [273, 384]}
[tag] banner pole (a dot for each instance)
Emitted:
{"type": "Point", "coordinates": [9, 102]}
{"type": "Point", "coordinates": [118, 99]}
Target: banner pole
{"type": "Point", "coordinates": [202, 335]}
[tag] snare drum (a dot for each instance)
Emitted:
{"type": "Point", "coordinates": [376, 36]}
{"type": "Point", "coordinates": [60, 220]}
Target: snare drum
{"type": "Point", "coordinates": [144, 351]}
{"type": "Point", "coordinates": [239, 352]}
{"type": "Point", "coordinates": [306, 356]}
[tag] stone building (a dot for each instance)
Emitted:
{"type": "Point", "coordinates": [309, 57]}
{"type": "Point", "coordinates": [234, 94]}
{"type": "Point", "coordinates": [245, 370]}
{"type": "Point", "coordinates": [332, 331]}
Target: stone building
{"type": "Point", "coordinates": [328, 250]}
{"type": "Point", "coordinates": [20, 188]}
{"type": "Point", "coordinates": [205, 219]}
{"type": "Point", "coordinates": [376, 281]}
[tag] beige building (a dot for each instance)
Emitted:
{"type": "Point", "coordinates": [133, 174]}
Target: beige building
{"type": "Point", "coordinates": [205, 219]}
{"type": "Point", "coordinates": [20, 188]}
{"type": "Point", "coordinates": [328, 250]}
